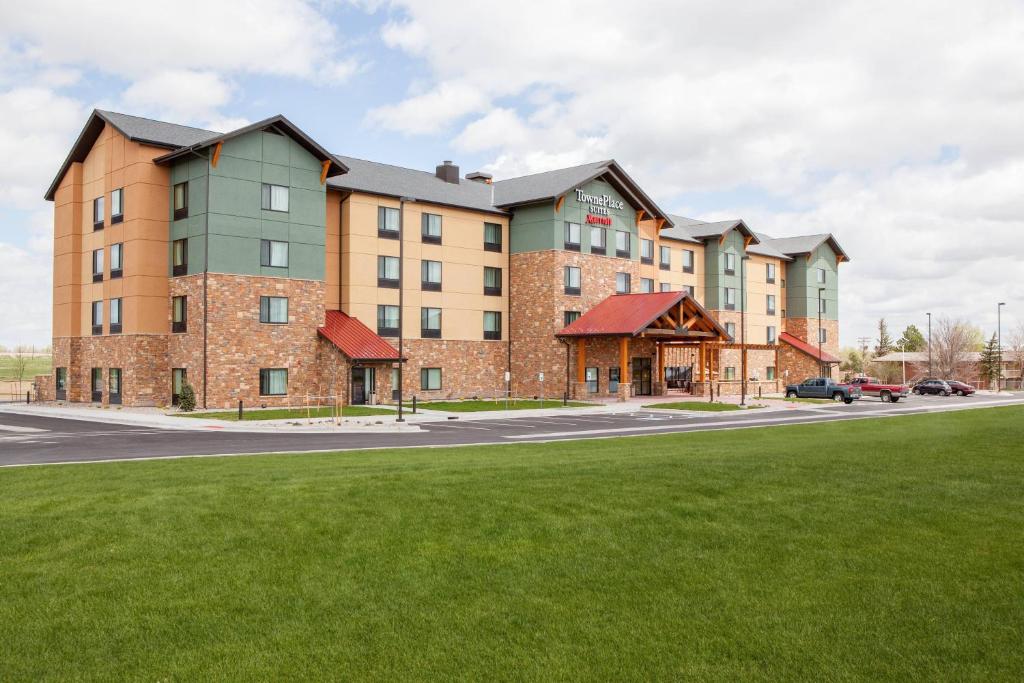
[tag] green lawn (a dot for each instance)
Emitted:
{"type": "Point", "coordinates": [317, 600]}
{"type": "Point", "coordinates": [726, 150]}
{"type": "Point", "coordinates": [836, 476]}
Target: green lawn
{"type": "Point", "coordinates": [34, 365]}
{"type": "Point", "coordinates": [861, 550]}
{"type": "Point", "coordinates": [477, 406]}
{"type": "Point", "coordinates": [288, 413]}
{"type": "Point", "coordinates": [705, 406]}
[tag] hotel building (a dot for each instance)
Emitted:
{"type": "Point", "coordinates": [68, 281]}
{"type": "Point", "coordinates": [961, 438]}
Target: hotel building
{"type": "Point", "coordinates": [259, 267]}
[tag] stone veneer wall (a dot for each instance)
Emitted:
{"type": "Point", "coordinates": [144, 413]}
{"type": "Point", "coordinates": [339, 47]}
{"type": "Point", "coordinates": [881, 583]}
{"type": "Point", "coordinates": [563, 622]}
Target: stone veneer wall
{"type": "Point", "coordinates": [185, 349]}
{"type": "Point", "coordinates": [142, 359]}
{"type": "Point", "coordinates": [603, 353]}
{"type": "Point", "coordinates": [468, 368]}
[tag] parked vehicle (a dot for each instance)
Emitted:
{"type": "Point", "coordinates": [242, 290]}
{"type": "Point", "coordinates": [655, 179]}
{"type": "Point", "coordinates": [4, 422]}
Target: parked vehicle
{"type": "Point", "coordinates": [960, 388]}
{"type": "Point", "coordinates": [889, 393]}
{"type": "Point", "coordinates": [824, 387]}
{"type": "Point", "coordinates": [933, 386]}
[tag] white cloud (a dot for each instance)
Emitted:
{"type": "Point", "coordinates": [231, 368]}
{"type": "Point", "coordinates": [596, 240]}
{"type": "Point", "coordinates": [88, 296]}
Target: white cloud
{"type": "Point", "coordinates": [207, 93]}
{"type": "Point", "coordinates": [25, 276]}
{"type": "Point", "coordinates": [430, 111]}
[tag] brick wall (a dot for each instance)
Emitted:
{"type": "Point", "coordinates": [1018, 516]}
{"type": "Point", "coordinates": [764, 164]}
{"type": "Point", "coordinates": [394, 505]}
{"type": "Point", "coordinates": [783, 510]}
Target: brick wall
{"type": "Point", "coordinates": [142, 359]}
{"type": "Point", "coordinates": [468, 368]}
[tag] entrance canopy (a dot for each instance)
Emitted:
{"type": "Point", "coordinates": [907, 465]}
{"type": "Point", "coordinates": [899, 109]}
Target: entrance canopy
{"type": "Point", "coordinates": [664, 316]}
{"type": "Point", "coordinates": [356, 340]}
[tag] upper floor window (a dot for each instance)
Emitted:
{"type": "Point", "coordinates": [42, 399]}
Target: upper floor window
{"type": "Point", "coordinates": [492, 237]}
{"type": "Point", "coordinates": [622, 243]}
{"type": "Point", "coordinates": [179, 257]}
{"type": "Point", "coordinates": [273, 381]}
{"type": "Point", "coordinates": [569, 317]}
{"type": "Point", "coordinates": [771, 335]}
{"type": "Point", "coordinates": [572, 236]}
{"type": "Point", "coordinates": [274, 309]}
{"type": "Point", "coordinates": [431, 228]}
{"type": "Point", "coordinates": [116, 310]}
{"type": "Point", "coordinates": [387, 321]}
{"type": "Point", "coordinates": [770, 304]}
{"type": "Point", "coordinates": [430, 323]}
{"type": "Point", "coordinates": [687, 260]}
{"type": "Point", "coordinates": [622, 283]}
{"type": "Point", "coordinates": [273, 254]}
{"type": "Point", "coordinates": [275, 198]}
{"type": "Point", "coordinates": [97, 265]}
{"type": "Point", "coordinates": [769, 273]}
{"type": "Point", "coordinates": [387, 271]}
{"type": "Point", "coordinates": [665, 258]}
{"type": "Point", "coordinates": [730, 299]}
{"type": "Point", "coordinates": [646, 285]}
{"type": "Point", "coordinates": [492, 325]}
{"type": "Point", "coordinates": [181, 201]}
{"type": "Point", "coordinates": [691, 290]}
{"type": "Point", "coordinates": [116, 260]}
{"type": "Point", "coordinates": [572, 280]}
{"type": "Point", "coordinates": [646, 251]}
{"type": "Point", "coordinates": [822, 335]}
{"type": "Point", "coordinates": [430, 276]}
{"type": "Point", "coordinates": [730, 329]}
{"type": "Point", "coordinates": [821, 276]}
{"type": "Point", "coordinates": [387, 222]}
{"type": "Point", "coordinates": [179, 314]}
{"type": "Point", "coordinates": [116, 206]}
{"type": "Point", "coordinates": [822, 306]}
{"type": "Point", "coordinates": [730, 263]}
{"type": "Point", "coordinates": [492, 281]}
{"type": "Point", "coordinates": [97, 213]}
{"type": "Point", "coordinates": [598, 240]}
{"type": "Point", "coordinates": [97, 317]}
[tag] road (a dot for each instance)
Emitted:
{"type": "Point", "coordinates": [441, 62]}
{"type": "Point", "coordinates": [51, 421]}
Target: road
{"type": "Point", "coordinates": [36, 440]}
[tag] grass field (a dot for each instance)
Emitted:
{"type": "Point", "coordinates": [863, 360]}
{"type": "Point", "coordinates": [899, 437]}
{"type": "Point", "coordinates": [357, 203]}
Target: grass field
{"type": "Point", "coordinates": [704, 406]}
{"type": "Point", "coordinates": [34, 365]}
{"type": "Point", "coordinates": [288, 413]}
{"type": "Point", "coordinates": [895, 552]}
{"type": "Point", "coordinates": [513, 404]}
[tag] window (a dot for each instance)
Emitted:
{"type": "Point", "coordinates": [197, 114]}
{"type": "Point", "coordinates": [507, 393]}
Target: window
{"type": "Point", "coordinates": [179, 376]}
{"type": "Point", "coordinates": [646, 285]}
{"type": "Point", "coordinates": [730, 263]}
{"type": "Point", "coordinates": [114, 385]}
{"type": "Point", "coordinates": [387, 271]}
{"type": "Point", "coordinates": [492, 237]}
{"type": "Point", "coordinates": [572, 236]}
{"type": "Point", "coordinates": [387, 222]}
{"type": "Point", "coordinates": [783, 285]}
{"type": "Point", "coordinates": [822, 306]}
{"type": "Point", "coordinates": [730, 373]}
{"type": "Point", "coordinates": [275, 198]}
{"type": "Point", "coordinates": [62, 384]}
{"type": "Point", "coordinates": [569, 317]}
{"type": "Point", "coordinates": [430, 276]}
{"type": "Point", "coordinates": [179, 257]}
{"type": "Point", "coordinates": [592, 376]}
{"type": "Point", "coordinates": [116, 260]}
{"type": "Point", "coordinates": [730, 329]}
{"type": "Point", "coordinates": [115, 316]}
{"type": "Point", "coordinates": [96, 384]}
{"type": "Point", "coordinates": [771, 334]}
{"type": "Point", "coordinates": [387, 321]}
{"type": "Point", "coordinates": [646, 251]}
{"type": "Point", "coordinates": [179, 314]}
{"type": "Point", "coordinates": [97, 265]}
{"type": "Point", "coordinates": [665, 258]}
{"type": "Point", "coordinates": [274, 310]}
{"type": "Point", "coordinates": [97, 213]}
{"type": "Point", "coordinates": [783, 314]}
{"type": "Point", "coordinates": [492, 281]}
{"type": "Point", "coordinates": [598, 240]}
{"type": "Point", "coordinates": [116, 206]}
{"type": "Point", "coordinates": [273, 254]}
{"type": "Point", "coordinates": [687, 260]}
{"type": "Point", "coordinates": [730, 299]}
{"type": "Point", "coordinates": [769, 373]}
{"type": "Point", "coordinates": [572, 280]}
{"type": "Point", "coordinates": [273, 381]}
{"type": "Point", "coordinates": [430, 323]}
{"type": "Point", "coordinates": [822, 335]}
{"type": "Point", "coordinates": [492, 325]}
{"type": "Point", "coordinates": [666, 286]}
{"type": "Point", "coordinates": [821, 276]}
{"type": "Point", "coordinates": [770, 304]}
{"type": "Point", "coordinates": [622, 243]}
{"type": "Point", "coordinates": [622, 283]}
{"type": "Point", "coordinates": [430, 379]}
{"type": "Point", "coordinates": [613, 380]}
{"type": "Point", "coordinates": [394, 384]}
{"type": "Point", "coordinates": [180, 201]}
{"type": "Point", "coordinates": [769, 273]}
{"type": "Point", "coordinates": [430, 228]}
{"type": "Point", "coordinates": [97, 317]}
{"type": "Point", "coordinates": [691, 290]}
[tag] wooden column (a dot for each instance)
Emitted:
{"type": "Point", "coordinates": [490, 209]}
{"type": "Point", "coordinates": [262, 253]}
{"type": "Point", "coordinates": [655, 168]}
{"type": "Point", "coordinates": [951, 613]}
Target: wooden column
{"type": "Point", "coordinates": [661, 363]}
{"type": "Point", "coordinates": [702, 354]}
{"type": "Point", "coordinates": [581, 359]}
{"type": "Point", "coordinates": [624, 360]}
{"type": "Point", "coordinates": [777, 370]}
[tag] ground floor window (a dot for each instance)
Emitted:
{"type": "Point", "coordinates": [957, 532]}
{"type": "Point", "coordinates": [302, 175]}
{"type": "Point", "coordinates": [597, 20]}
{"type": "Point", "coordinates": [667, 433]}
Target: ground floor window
{"type": "Point", "coordinates": [97, 384]}
{"type": "Point", "coordinates": [62, 383]}
{"type": "Point", "coordinates": [770, 373]}
{"type": "Point", "coordinates": [273, 381]}
{"type": "Point", "coordinates": [730, 373]}
{"type": "Point", "coordinates": [394, 384]}
{"type": "Point", "coordinates": [592, 375]}
{"type": "Point", "coordinates": [178, 378]}
{"type": "Point", "coordinates": [430, 379]}
{"type": "Point", "coordinates": [613, 380]}
{"type": "Point", "coordinates": [114, 384]}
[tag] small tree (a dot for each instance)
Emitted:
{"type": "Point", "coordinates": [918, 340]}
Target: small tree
{"type": "Point", "coordinates": [912, 340]}
{"type": "Point", "coordinates": [885, 345]}
{"type": "Point", "coordinates": [187, 398]}
{"type": "Point", "coordinates": [989, 362]}
{"type": "Point", "coordinates": [952, 341]}
{"type": "Point", "coordinates": [20, 365]}
{"type": "Point", "coordinates": [1016, 348]}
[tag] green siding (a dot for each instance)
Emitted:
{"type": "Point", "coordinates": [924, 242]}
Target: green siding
{"type": "Point", "coordinates": [715, 279]}
{"type": "Point", "coordinates": [802, 285]}
{"type": "Point", "coordinates": [235, 219]}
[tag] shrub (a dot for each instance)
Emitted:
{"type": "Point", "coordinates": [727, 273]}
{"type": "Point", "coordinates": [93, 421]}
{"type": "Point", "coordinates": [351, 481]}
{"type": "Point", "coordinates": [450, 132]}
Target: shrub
{"type": "Point", "coordinates": [187, 398]}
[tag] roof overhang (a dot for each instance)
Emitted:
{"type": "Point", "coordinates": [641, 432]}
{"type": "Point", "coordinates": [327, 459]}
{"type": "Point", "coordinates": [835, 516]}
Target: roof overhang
{"type": "Point", "coordinates": [671, 316]}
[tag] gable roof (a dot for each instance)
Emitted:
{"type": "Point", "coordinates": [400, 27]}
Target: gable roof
{"type": "Point", "coordinates": [809, 349]}
{"type": "Point", "coordinates": [354, 339]}
{"type": "Point", "coordinates": [796, 246]}
{"type": "Point", "coordinates": [135, 128]}
{"type": "Point", "coordinates": [765, 247]}
{"type": "Point", "coordinates": [550, 185]}
{"type": "Point", "coordinates": [396, 181]}
{"type": "Point", "coordinates": [278, 123]}
{"type": "Point", "coordinates": [691, 230]}
{"type": "Point", "coordinates": [627, 315]}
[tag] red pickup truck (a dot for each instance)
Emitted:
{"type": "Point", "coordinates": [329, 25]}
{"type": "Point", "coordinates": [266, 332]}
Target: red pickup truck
{"type": "Point", "coordinates": [889, 393]}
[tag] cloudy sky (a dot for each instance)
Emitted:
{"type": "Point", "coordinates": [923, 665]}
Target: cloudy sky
{"type": "Point", "coordinates": [897, 126]}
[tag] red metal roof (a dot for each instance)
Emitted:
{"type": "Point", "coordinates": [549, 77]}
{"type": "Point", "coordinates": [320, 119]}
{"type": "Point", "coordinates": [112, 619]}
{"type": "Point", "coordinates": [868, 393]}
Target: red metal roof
{"type": "Point", "coordinates": [809, 349]}
{"type": "Point", "coordinates": [622, 314]}
{"type": "Point", "coordinates": [356, 340]}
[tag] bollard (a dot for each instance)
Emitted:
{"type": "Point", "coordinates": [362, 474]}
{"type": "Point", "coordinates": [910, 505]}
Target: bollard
{"type": "Point", "coordinates": [414, 404]}
{"type": "Point", "coordinates": [759, 391]}
{"type": "Point", "coordinates": [711, 392]}
{"type": "Point", "coordinates": [565, 399]}
{"type": "Point", "coordinates": [239, 410]}
{"type": "Point", "coordinates": [28, 397]}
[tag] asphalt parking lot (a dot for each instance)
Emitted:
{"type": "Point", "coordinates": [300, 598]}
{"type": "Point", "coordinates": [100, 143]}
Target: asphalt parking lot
{"type": "Point", "coordinates": [35, 439]}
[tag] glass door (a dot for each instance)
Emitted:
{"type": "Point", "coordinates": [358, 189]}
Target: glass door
{"type": "Point", "coordinates": [641, 376]}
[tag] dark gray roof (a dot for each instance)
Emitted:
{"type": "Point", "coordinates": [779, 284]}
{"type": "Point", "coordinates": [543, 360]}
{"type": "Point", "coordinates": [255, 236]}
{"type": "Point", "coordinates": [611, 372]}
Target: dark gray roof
{"type": "Point", "coordinates": [766, 248]}
{"type": "Point", "coordinates": [805, 244]}
{"type": "Point", "coordinates": [396, 181]}
{"type": "Point", "coordinates": [692, 230]}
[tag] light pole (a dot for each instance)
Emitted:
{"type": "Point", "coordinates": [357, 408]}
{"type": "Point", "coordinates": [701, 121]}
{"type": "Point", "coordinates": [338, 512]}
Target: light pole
{"type": "Point", "coordinates": [903, 359]}
{"type": "Point", "coordinates": [999, 342]}
{"type": "Point", "coordinates": [743, 329]}
{"type": "Point", "coordinates": [929, 344]}
{"type": "Point", "coordinates": [821, 363]}
{"type": "Point", "coordinates": [401, 300]}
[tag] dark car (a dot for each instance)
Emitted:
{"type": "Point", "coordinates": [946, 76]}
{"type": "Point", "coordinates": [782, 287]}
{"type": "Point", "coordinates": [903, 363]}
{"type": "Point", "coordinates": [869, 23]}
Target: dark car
{"type": "Point", "coordinates": [960, 388]}
{"type": "Point", "coordinates": [933, 386]}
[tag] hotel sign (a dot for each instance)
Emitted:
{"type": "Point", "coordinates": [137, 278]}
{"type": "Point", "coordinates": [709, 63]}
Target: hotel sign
{"type": "Point", "coordinates": [600, 206]}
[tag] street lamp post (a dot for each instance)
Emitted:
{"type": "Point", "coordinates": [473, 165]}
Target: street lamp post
{"type": "Point", "coordinates": [743, 329]}
{"type": "Point", "coordinates": [401, 300]}
{"type": "Point", "coordinates": [821, 363]}
{"type": "Point", "coordinates": [929, 344]}
{"type": "Point", "coordinates": [999, 342]}
{"type": "Point", "coordinates": [903, 359]}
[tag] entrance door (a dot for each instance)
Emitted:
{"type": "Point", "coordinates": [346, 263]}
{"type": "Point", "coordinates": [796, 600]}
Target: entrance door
{"type": "Point", "coordinates": [641, 376]}
{"type": "Point", "coordinates": [358, 386]}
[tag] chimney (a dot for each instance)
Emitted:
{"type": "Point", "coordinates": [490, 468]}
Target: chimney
{"type": "Point", "coordinates": [480, 177]}
{"type": "Point", "coordinates": [448, 172]}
